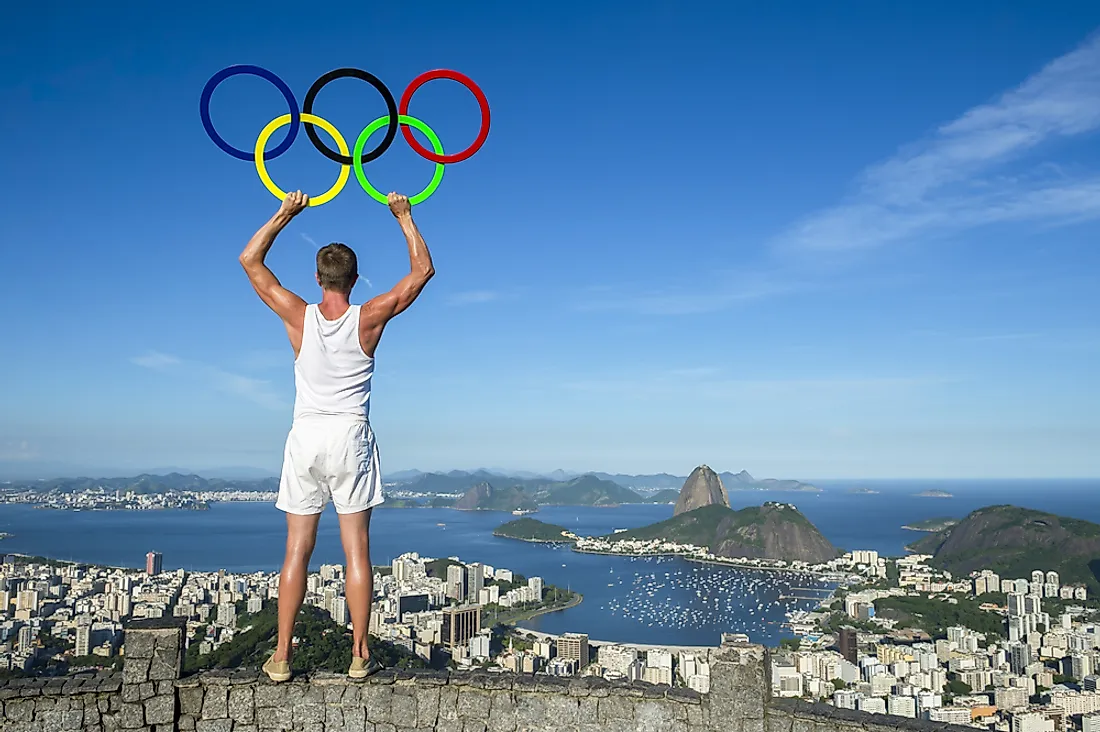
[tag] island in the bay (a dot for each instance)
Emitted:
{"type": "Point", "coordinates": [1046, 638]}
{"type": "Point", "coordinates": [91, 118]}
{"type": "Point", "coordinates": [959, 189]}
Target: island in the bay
{"type": "Point", "coordinates": [703, 526]}
{"type": "Point", "coordinates": [863, 492]}
{"type": "Point", "coordinates": [935, 494]}
{"type": "Point", "coordinates": [931, 525]}
{"type": "Point", "coordinates": [529, 529]}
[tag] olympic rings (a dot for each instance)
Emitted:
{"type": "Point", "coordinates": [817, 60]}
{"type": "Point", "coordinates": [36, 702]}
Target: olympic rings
{"type": "Point", "coordinates": [391, 108]}
{"type": "Point", "coordinates": [396, 116]}
{"type": "Point", "coordinates": [362, 176]}
{"type": "Point", "coordinates": [482, 133]}
{"type": "Point", "coordinates": [327, 126]}
{"type": "Point", "coordinates": [218, 78]}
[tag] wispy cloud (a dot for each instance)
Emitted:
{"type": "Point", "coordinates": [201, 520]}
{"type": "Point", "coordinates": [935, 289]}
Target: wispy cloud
{"type": "Point", "coordinates": [696, 298]}
{"type": "Point", "coordinates": [948, 183]}
{"type": "Point", "coordinates": [17, 450]}
{"type": "Point", "coordinates": [473, 297]}
{"type": "Point", "coordinates": [309, 240]}
{"type": "Point", "coordinates": [258, 391]}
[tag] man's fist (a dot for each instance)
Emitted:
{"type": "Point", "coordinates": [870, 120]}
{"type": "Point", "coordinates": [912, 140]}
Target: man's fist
{"type": "Point", "coordinates": [399, 204]}
{"type": "Point", "coordinates": [294, 203]}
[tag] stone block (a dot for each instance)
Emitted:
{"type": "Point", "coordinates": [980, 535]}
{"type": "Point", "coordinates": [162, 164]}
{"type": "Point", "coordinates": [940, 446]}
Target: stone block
{"type": "Point", "coordinates": [355, 719]}
{"type": "Point", "coordinates": [191, 700]}
{"type": "Point", "coordinates": [304, 714]}
{"type": "Point", "coordinates": [240, 705]}
{"type": "Point", "coordinates": [214, 725]}
{"type": "Point", "coordinates": [111, 684]}
{"type": "Point", "coordinates": [502, 712]}
{"type": "Point", "coordinates": [186, 722]}
{"type": "Point", "coordinates": [147, 690]}
{"type": "Point", "coordinates": [563, 711]}
{"type": "Point", "coordinates": [215, 703]}
{"type": "Point", "coordinates": [268, 695]}
{"type": "Point", "coordinates": [427, 705]}
{"type": "Point", "coordinates": [525, 683]}
{"type": "Point", "coordinates": [135, 670]}
{"type": "Point", "coordinates": [403, 710]}
{"type": "Point", "coordinates": [684, 695]}
{"type": "Point", "coordinates": [498, 682]}
{"type": "Point", "coordinates": [473, 725]}
{"type": "Point", "coordinates": [138, 645]}
{"type": "Point", "coordinates": [654, 716]}
{"type": "Point", "coordinates": [448, 725]}
{"type": "Point", "coordinates": [334, 718]}
{"type": "Point", "coordinates": [378, 703]}
{"type": "Point", "coordinates": [448, 703]}
{"type": "Point", "coordinates": [578, 687]}
{"type": "Point", "coordinates": [531, 711]}
{"type": "Point", "coordinates": [383, 678]}
{"type": "Point", "coordinates": [473, 704]}
{"type": "Point", "coordinates": [614, 708]}
{"type": "Point", "coordinates": [165, 687]}
{"type": "Point", "coordinates": [244, 727]}
{"type": "Point", "coordinates": [273, 719]}
{"type": "Point", "coordinates": [132, 715]}
{"type": "Point", "coordinates": [160, 710]}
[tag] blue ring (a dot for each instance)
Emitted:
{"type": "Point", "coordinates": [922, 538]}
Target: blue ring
{"type": "Point", "coordinates": [204, 111]}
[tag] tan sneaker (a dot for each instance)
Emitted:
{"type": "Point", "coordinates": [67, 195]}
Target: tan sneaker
{"type": "Point", "coordinates": [277, 670]}
{"type": "Point", "coordinates": [361, 668]}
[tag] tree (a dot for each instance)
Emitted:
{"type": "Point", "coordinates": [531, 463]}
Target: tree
{"type": "Point", "coordinates": [790, 644]}
{"type": "Point", "coordinates": [955, 687]}
{"type": "Point", "coordinates": [839, 684]}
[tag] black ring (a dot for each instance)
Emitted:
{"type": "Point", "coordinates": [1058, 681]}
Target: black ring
{"type": "Point", "coordinates": [391, 106]}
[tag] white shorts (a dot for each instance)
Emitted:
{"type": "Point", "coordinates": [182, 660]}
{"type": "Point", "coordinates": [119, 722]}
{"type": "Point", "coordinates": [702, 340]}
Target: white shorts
{"type": "Point", "coordinates": [330, 457]}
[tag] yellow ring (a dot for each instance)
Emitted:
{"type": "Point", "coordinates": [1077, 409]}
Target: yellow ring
{"type": "Point", "coordinates": [261, 142]}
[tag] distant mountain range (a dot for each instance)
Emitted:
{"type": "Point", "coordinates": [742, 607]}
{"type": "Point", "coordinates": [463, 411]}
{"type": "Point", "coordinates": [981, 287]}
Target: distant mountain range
{"type": "Point", "coordinates": [458, 481]}
{"type": "Point", "coordinates": [145, 483]}
{"type": "Point", "coordinates": [587, 490]}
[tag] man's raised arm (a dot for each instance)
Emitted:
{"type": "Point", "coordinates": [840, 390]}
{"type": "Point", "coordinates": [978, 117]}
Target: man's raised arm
{"type": "Point", "coordinates": [380, 309]}
{"type": "Point", "coordinates": [285, 303]}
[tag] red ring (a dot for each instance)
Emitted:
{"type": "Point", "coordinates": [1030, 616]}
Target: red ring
{"type": "Point", "coordinates": [474, 89]}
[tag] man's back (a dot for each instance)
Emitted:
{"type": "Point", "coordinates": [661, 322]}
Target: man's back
{"type": "Point", "coordinates": [332, 374]}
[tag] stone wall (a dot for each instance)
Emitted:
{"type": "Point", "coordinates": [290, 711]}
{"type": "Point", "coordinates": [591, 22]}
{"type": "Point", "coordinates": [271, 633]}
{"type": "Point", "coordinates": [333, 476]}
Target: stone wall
{"type": "Point", "coordinates": [150, 695]}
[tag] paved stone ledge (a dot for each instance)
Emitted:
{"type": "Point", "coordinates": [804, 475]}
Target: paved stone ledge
{"type": "Point", "coordinates": [150, 696]}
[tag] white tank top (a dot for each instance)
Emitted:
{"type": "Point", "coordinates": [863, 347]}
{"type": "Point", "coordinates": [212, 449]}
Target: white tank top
{"type": "Point", "coordinates": [332, 375]}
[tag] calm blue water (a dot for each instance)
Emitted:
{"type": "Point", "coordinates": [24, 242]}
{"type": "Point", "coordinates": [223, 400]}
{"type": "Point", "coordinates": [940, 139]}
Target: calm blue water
{"type": "Point", "coordinates": [692, 606]}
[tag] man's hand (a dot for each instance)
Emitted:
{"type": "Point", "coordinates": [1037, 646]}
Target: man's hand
{"type": "Point", "coordinates": [399, 205]}
{"type": "Point", "coordinates": [294, 203]}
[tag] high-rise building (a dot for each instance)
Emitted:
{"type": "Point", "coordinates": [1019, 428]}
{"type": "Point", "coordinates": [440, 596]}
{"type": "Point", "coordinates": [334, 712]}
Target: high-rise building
{"type": "Point", "coordinates": [574, 646]}
{"type": "Point", "coordinates": [475, 581]}
{"type": "Point", "coordinates": [227, 615]}
{"type": "Point", "coordinates": [456, 582]}
{"type": "Point", "coordinates": [460, 624]}
{"type": "Point", "coordinates": [340, 610]}
{"type": "Point", "coordinates": [848, 645]}
{"type": "Point", "coordinates": [535, 583]}
{"type": "Point", "coordinates": [83, 640]}
{"type": "Point", "coordinates": [153, 562]}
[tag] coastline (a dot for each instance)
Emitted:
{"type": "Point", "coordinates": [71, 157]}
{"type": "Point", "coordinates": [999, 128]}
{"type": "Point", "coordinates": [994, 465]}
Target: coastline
{"type": "Point", "coordinates": [534, 541]}
{"type": "Point", "coordinates": [718, 562]}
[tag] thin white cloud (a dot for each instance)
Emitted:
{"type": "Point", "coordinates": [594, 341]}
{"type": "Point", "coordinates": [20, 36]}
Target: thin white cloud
{"type": "Point", "coordinates": [696, 298]}
{"type": "Point", "coordinates": [309, 240]}
{"type": "Point", "coordinates": [155, 360]}
{"type": "Point", "coordinates": [258, 391]}
{"type": "Point", "coordinates": [473, 297]}
{"type": "Point", "coordinates": [946, 183]}
{"type": "Point", "coordinates": [15, 450]}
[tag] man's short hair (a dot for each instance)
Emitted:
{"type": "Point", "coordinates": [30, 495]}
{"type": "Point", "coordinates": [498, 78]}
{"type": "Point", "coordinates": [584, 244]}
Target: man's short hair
{"type": "Point", "coordinates": [337, 267]}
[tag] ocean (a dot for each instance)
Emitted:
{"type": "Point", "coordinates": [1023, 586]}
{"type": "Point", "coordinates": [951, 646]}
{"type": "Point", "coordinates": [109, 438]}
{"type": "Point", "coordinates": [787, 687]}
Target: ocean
{"type": "Point", "coordinates": [670, 601]}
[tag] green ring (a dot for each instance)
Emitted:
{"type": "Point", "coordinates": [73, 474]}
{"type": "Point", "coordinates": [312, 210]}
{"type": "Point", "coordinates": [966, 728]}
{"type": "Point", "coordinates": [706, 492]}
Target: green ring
{"type": "Point", "coordinates": [377, 124]}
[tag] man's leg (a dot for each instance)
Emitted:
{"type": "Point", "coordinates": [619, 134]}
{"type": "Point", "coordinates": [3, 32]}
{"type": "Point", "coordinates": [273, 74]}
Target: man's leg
{"type": "Point", "coordinates": [301, 536]}
{"type": "Point", "coordinates": [355, 536]}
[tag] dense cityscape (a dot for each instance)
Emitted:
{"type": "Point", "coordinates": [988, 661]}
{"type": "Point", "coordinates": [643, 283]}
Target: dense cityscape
{"type": "Point", "coordinates": [1029, 665]}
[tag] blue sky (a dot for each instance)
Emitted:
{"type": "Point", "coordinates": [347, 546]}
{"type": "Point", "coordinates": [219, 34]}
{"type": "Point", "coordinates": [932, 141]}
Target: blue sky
{"type": "Point", "coordinates": [813, 241]}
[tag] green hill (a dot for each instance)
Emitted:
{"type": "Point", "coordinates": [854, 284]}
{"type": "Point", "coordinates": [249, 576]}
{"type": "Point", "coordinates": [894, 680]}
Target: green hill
{"type": "Point", "coordinates": [666, 496]}
{"type": "Point", "coordinates": [587, 490]}
{"type": "Point", "coordinates": [1014, 541]}
{"type": "Point", "coordinates": [529, 529]}
{"type": "Point", "coordinates": [771, 531]}
{"type": "Point", "coordinates": [485, 497]}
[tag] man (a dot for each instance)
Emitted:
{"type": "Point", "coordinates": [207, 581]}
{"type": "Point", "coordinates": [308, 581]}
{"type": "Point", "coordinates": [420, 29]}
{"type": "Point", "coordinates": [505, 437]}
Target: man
{"type": "Point", "coordinates": [330, 452]}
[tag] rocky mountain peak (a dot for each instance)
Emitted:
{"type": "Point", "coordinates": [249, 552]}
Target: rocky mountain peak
{"type": "Point", "coordinates": [702, 488]}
